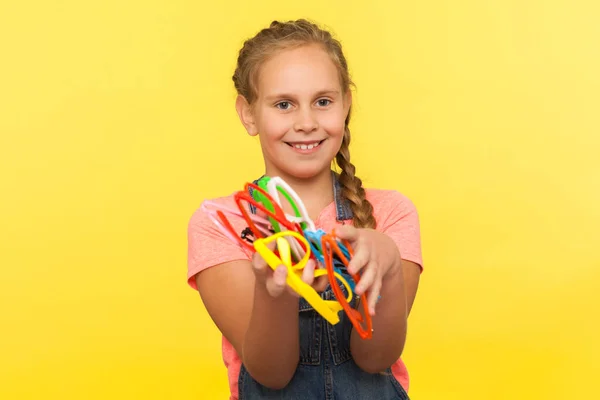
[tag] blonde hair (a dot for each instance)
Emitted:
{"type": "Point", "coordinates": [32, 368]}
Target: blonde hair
{"type": "Point", "coordinates": [290, 34]}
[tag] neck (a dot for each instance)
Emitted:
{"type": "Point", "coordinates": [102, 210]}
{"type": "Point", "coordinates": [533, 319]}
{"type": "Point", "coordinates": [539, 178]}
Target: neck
{"type": "Point", "coordinates": [316, 192]}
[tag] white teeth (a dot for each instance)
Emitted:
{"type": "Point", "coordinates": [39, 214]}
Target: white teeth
{"type": "Point", "coordinates": [306, 147]}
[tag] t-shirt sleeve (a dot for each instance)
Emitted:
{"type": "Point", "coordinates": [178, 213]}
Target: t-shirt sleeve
{"type": "Point", "coordinates": [208, 246]}
{"type": "Point", "coordinates": [402, 225]}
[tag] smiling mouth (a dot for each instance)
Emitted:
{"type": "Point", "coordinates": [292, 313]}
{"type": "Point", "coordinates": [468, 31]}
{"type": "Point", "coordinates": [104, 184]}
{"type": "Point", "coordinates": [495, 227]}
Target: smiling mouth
{"type": "Point", "coordinates": [305, 146]}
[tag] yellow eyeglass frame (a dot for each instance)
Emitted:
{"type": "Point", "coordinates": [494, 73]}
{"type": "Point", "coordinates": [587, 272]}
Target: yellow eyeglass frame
{"type": "Point", "coordinates": [328, 309]}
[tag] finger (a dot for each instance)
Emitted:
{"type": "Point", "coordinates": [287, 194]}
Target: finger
{"type": "Point", "coordinates": [358, 261]}
{"type": "Point", "coordinates": [366, 279]}
{"type": "Point", "coordinates": [257, 258]}
{"type": "Point", "coordinates": [260, 265]}
{"type": "Point", "coordinates": [276, 283]}
{"type": "Point", "coordinates": [373, 295]}
{"type": "Point", "coordinates": [321, 283]}
{"type": "Point", "coordinates": [346, 232]}
{"type": "Point", "coordinates": [308, 273]}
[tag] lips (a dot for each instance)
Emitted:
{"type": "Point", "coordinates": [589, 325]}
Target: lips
{"type": "Point", "coordinates": [305, 145]}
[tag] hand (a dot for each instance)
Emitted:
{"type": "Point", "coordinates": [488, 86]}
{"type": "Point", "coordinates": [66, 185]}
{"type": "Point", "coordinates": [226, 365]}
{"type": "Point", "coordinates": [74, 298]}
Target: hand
{"type": "Point", "coordinates": [375, 255]}
{"type": "Point", "coordinates": [275, 280]}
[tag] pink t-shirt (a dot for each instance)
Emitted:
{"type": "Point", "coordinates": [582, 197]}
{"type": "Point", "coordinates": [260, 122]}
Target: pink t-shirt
{"type": "Point", "coordinates": [395, 214]}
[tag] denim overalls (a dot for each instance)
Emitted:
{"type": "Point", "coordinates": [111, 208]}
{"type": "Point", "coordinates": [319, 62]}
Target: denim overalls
{"type": "Point", "coordinates": [326, 369]}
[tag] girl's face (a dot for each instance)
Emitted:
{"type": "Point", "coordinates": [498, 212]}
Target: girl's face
{"type": "Point", "coordinates": [299, 113]}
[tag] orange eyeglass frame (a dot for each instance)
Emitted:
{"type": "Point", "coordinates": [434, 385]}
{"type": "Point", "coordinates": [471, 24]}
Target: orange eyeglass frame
{"type": "Point", "coordinates": [330, 246]}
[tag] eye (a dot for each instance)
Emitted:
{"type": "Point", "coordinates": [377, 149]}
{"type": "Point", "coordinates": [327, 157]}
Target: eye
{"type": "Point", "coordinates": [323, 102]}
{"type": "Point", "coordinates": [283, 105]}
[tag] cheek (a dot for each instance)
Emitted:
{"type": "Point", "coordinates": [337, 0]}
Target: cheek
{"type": "Point", "coordinates": [333, 124]}
{"type": "Point", "coordinates": [274, 126]}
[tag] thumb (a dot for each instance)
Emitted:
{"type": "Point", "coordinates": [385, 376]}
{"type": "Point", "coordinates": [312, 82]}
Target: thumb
{"type": "Point", "coordinates": [346, 232]}
{"type": "Point", "coordinates": [308, 272]}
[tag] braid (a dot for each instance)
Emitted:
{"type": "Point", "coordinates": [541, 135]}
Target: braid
{"type": "Point", "coordinates": [352, 189]}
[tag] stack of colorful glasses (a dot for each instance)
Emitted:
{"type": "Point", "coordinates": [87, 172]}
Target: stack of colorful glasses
{"type": "Point", "coordinates": [297, 240]}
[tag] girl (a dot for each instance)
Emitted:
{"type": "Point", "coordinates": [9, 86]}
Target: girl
{"type": "Point", "coordinates": [294, 92]}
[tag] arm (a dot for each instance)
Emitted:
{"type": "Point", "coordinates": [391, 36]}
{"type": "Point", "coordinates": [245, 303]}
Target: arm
{"type": "Point", "coordinates": [398, 292]}
{"type": "Point", "coordinates": [235, 291]}
{"type": "Point", "coordinates": [250, 318]}
{"type": "Point", "coordinates": [390, 262]}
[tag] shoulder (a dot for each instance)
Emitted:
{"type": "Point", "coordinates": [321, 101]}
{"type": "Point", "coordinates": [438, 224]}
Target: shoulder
{"type": "Point", "coordinates": [384, 200]}
{"type": "Point", "coordinates": [205, 227]}
{"type": "Point", "coordinates": [199, 215]}
{"type": "Point", "coordinates": [391, 207]}
{"type": "Point", "coordinates": [397, 216]}
{"type": "Point", "coordinates": [209, 244]}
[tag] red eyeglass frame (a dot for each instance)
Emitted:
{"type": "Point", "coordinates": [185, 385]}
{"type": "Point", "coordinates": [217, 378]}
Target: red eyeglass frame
{"type": "Point", "coordinates": [278, 214]}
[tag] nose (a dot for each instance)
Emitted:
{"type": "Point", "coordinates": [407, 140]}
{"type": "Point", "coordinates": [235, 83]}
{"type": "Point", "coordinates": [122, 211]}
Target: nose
{"type": "Point", "coordinates": [306, 121]}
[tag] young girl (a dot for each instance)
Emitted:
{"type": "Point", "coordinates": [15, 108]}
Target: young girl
{"type": "Point", "coordinates": [294, 92]}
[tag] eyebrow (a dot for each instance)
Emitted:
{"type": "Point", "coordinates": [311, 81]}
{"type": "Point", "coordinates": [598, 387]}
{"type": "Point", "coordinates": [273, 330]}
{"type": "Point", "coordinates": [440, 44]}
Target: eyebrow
{"type": "Point", "coordinates": [290, 96]}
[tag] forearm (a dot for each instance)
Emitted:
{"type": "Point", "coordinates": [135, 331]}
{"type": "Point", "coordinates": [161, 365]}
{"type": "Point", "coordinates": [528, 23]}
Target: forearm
{"type": "Point", "coordinates": [389, 327]}
{"type": "Point", "coordinates": [270, 350]}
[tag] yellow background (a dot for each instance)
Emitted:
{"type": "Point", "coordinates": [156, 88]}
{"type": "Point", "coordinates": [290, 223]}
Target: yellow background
{"type": "Point", "coordinates": [117, 119]}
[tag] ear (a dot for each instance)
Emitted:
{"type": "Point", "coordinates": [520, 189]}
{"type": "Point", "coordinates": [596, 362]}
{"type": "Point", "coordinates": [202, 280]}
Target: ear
{"type": "Point", "coordinates": [347, 102]}
{"type": "Point", "coordinates": [245, 113]}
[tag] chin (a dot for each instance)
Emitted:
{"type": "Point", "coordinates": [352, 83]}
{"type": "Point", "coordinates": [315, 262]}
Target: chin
{"type": "Point", "coordinates": [307, 172]}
